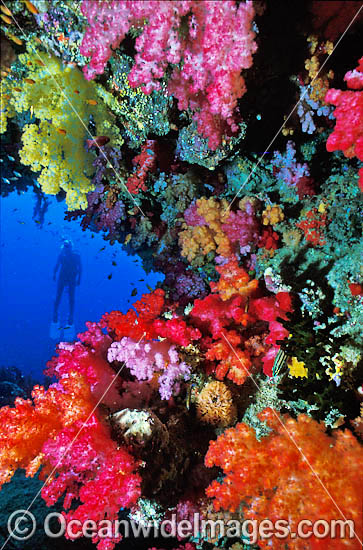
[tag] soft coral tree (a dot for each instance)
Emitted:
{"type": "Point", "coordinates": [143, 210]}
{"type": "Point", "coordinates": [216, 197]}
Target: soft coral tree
{"type": "Point", "coordinates": [63, 430]}
{"type": "Point", "coordinates": [297, 472]}
{"type": "Point", "coordinates": [208, 43]}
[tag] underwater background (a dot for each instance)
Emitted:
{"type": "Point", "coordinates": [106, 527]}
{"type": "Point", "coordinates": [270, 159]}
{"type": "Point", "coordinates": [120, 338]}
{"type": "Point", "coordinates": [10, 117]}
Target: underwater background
{"type": "Point", "coordinates": [29, 250]}
{"type": "Point", "coordinates": [192, 171]}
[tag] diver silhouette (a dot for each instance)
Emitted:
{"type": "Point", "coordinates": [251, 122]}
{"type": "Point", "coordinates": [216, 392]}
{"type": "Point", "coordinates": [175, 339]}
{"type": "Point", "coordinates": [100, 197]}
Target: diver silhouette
{"type": "Point", "coordinates": [70, 271]}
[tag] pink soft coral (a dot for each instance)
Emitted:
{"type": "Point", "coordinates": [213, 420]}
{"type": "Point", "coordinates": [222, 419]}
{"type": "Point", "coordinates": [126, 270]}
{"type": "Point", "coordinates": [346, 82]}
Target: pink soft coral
{"type": "Point", "coordinates": [217, 45]}
{"type": "Point", "coordinates": [144, 359]}
{"type": "Point", "coordinates": [348, 132]}
{"type": "Point", "coordinates": [91, 468]}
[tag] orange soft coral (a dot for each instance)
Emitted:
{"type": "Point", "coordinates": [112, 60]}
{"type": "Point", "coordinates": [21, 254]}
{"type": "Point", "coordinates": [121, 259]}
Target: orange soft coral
{"type": "Point", "coordinates": [233, 280]}
{"type": "Point", "coordinates": [297, 472]}
{"type": "Point", "coordinates": [233, 362]}
{"type": "Point", "coordinates": [25, 428]}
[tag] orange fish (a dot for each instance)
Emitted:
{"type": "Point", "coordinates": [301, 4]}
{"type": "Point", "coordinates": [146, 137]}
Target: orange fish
{"type": "Point", "coordinates": [91, 101]}
{"type": "Point", "coordinates": [6, 10]}
{"type": "Point", "coordinates": [62, 38]}
{"type": "Point", "coordinates": [98, 141]}
{"type": "Point", "coordinates": [31, 7]}
{"type": "Point", "coordinates": [61, 131]}
{"type": "Point", "coordinates": [76, 91]}
{"type": "Point", "coordinates": [40, 63]}
{"type": "Point", "coordinates": [17, 89]}
{"type": "Point", "coordinates": [37, 40]}
{"type": "Point", "coordinates": [29, 80]}
{"type": "Point", "coordinates": [6, 19]}
{"type": "Point", "coordinates": [15, 39]}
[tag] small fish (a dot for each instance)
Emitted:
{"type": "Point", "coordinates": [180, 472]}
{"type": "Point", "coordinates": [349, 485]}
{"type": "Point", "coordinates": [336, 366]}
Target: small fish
{"type": "Point", "coordinates": [103, 248]}
{"type": "Point", "coordinates": [6, 10]}
{"type": "Point", "coordinates": [280, 361]}
{"type": "Point", "coordinates": [98, 141]}
{"type": "Point", "coordinates": [61, 131]}
{"type": "Point", "coordinates": [141, 280]}
{"type": "Point", "coordinates": [92, 236]}
{"type": "Point", "coordinates": [13, 179]}
{"type": "Point", "coordinates": [17, 89]}
{"type": "Point", "coordinates": [15, 209]}
{"type": "Point", "coordinates": [31, 7]}
{"type": "Point", "coordinates": [6, 19]}
{"type": "Point", "coordinates": [38, 222]}
{"type": "Point", "coordinates": [17, 174]}
{"type": "Point", "coordinates": [77, 92]}
{"type": "Point", "coordinates": [134, 292]}
{"type": "Point", "coordinates": [5, 74]}
{"type": "Point", "coordinates": [91, 101]}
{"type": "Point", "coordinates": [40, 62]}
{"type": "Point", "coordinates": [21, 223]}
{"type": "Point", "coordinates": [29, 80]}
{"type": "Point", "coordinates": [109, 277]}
{"type": "Point", "coordinates": [5, 180]}
{"type": "Point", "coordinates": [114, 263]}
{"type": "Point", "coordinates": [37, 40]}
{"type": "Point", "coordinates": [128, 238]}
{"type": "Point", "coordinates": [11, 158]}
{"type": "Point", "coordinates": [15, 39]}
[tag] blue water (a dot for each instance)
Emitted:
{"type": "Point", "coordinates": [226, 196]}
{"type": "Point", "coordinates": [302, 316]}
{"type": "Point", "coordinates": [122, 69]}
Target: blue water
{"type": "Point", "coordinates": [27, 290]}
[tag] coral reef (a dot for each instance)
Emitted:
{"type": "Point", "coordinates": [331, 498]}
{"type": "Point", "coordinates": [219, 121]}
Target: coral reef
{"type": "Point", "coordinates": [212, 141]}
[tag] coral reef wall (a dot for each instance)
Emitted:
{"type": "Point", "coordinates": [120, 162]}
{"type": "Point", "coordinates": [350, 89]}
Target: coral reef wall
{"type": "Point", "coordinates": [221, 142]}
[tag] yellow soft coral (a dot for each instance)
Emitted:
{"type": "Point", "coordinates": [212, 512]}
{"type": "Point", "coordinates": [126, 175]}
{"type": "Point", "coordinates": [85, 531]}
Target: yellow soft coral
{"type": "Point", "coordinates": [62, 103]}
{"type": "Point", "coordinates": [319, 83]}
{"type": "Point", "coordinates": [272, 215]}
{"type": "Point", "coordinates": [200, 240]}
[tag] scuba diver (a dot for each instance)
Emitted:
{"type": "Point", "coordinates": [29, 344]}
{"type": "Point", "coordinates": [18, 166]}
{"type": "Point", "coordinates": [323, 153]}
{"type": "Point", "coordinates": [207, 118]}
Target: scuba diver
{"type": "Point", "coordinates": [70, 270]}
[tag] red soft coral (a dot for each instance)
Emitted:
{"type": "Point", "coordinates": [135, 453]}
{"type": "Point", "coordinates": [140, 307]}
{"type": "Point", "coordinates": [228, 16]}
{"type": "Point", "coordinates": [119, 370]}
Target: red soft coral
{"type": "Point", "coordinates": [176, 331]}
{"type": "Point", "coordinates": [140, 323]}
{"type": "Point", "coordinates": [145, 162]}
